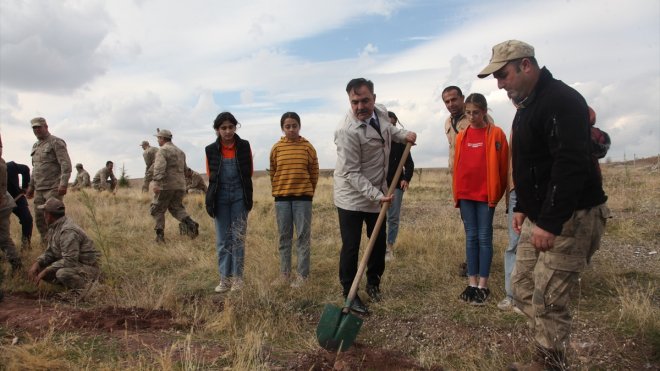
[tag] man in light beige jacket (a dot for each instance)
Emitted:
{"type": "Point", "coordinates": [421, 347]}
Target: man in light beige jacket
{"type": "Point", "coordinates": [363, 141]}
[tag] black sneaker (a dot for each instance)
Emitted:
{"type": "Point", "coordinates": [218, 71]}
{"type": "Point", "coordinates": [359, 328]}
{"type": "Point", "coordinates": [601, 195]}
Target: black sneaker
{"type": "Point", "coordinates": [481, 294]}
{"type": "Point", "coordinates": [468, 294]}
{"type": "Point", "coordinates": [374, 293]}
{"type": "Point", "coordinates": [358, 306]}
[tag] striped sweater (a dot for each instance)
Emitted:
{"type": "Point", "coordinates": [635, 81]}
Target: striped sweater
{"type": "Point", "coordinates": [294, 169]}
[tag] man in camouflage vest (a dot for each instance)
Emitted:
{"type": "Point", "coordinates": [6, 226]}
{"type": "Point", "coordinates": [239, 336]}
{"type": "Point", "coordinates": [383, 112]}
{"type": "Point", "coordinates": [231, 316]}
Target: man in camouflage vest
{"type": "Point", "coordinates": [51, 170]}
{"type": "Point", "coordinates": [82, 179]}
{"type": "Point", "coordinates": [170, 187]}
{"type": "Point", "coordinates": [6, 205]}
{"type": "Point", "coordinates": [105, 178]}
{"type": "Point", "coordinates": [149, 155]}
{"type": "Point", "coordinates": [194, 182]}
{"type": "Point", "coordinates": [70, 258]}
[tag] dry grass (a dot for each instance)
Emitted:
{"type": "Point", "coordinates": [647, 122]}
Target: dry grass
{"type": "Point", "coordinates": [264, 326]}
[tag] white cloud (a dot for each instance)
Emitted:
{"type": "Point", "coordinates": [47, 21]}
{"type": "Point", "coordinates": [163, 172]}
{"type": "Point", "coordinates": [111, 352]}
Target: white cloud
{"type": "Point", "coordinates": [368, 50]}
{"type": "Point", "coordinates": [135, 66]}
{"type": "Point", "coordinates": [52, 46]}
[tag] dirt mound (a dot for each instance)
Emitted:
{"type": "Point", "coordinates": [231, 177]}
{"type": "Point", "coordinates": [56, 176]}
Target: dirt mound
{"type": "Point", "coordinates": [358, 357]}
{"type": "Point", "coordinates": [34, 314]}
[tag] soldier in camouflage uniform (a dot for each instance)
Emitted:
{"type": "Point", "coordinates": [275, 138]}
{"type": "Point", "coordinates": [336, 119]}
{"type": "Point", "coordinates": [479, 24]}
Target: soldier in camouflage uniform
{"type": "Point", "coordinates": [70, 259]}
{"type": "Point", "coordinates": [51, 170]}
{"type": "Point", "coordinates": [105, 178]}
{"type": "Point", "coordinates": [561, 209]}
{"type": "Point", "coordinates": [82, 179]}
{"type": "Point", "coordinates": [169, 187]}
{"type": "Point", "coordinates": [194, 182]}
{"type": "Point", "coordinates": [149, 155]}
{"type": "Point", "coordinates": [6, 205]}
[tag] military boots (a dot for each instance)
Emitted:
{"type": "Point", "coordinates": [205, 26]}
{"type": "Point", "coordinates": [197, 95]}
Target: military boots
{"type": "Point", "coordinates": [160, 236]}
{"type": "Point", "coordinates": [189, 227]}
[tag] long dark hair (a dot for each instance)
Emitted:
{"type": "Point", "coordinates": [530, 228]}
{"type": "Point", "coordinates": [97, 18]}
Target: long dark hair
{"type": "Point", "coordinates": [392, 115]}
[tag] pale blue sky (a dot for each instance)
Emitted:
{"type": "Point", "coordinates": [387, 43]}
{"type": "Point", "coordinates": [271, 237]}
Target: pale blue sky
{"type": "Point", "coordinates": [106, 74]}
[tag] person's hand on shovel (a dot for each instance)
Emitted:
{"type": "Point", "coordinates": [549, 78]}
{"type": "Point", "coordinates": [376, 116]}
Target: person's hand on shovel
{"type": "Point", "coordinates": [385, 199]}
{"type": "Point", "coordinates": [411, 137]}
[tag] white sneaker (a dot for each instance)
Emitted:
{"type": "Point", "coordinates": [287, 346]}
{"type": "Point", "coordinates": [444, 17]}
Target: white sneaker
{"type": "Point", "coordinates": [237, 285]}
{"type": "Point", "coordinates": [224, 286]}
{"type": "Point", "coordinates": [298, 282]}
{"type": "Point", "coordinates": [389, 253]}
{"type": "Point", "coordinates": [506, 304]}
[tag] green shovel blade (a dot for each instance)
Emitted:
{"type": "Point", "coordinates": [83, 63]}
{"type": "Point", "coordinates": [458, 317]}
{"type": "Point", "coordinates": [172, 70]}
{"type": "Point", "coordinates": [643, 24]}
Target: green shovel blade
{"type": "Point", "coordinates": [336, 329]}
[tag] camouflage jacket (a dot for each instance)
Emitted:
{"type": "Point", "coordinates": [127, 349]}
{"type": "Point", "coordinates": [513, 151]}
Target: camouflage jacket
{"type": "Point", "coordinates": [51, 166]}
{"type": "Point", "coordinates": [103, 175]}
{"type": "Point", "coordinates": [195, 182]}
{"type": "Point", "coordinates": [68, 246]}
{"type": "Point", "coordinates": [168, 168]}
{"type": "Point", "coordinates": [82, 179]}
{"type": "Point", "coordinates": [149, 155]}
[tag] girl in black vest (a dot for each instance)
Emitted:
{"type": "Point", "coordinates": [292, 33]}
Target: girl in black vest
{"type": "Point", "coordinates": [229, 198]}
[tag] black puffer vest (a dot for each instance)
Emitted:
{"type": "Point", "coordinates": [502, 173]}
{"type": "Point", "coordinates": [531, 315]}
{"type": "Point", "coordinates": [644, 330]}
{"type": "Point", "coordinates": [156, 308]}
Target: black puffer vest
{"type": "Point", "coordinates": [244, 159]}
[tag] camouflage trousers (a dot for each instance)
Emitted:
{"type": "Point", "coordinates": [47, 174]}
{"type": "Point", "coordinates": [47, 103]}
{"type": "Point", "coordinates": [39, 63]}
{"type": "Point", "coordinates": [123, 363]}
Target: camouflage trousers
{"type": "Point", "coordinates": [147, 180]}
{"type": "Point", "coordinates": [104, 186]}
{"type": "Point", "coordinates": [6, 243]}
{"type": "Point", "coordinates": [40, 198]}
{"type": "Point", "coordinates": [542, 281]}
{"type": "Point", "coordinates": [165, 200]}
{"type": "Point", "coordinates": [73, 278]}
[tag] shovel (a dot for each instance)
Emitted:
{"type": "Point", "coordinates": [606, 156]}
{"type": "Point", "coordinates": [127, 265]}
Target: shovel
{"type": "Point", "coordinates": [338, 328]}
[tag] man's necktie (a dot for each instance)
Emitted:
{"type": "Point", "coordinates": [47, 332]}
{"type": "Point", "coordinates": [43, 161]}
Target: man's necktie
{"type": "Point", "coordinates": [374, 124]}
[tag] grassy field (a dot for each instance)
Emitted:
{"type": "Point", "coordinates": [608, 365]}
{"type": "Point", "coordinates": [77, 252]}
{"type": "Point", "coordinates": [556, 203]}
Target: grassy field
{"type": "Point", "coordinates": [156, 308]}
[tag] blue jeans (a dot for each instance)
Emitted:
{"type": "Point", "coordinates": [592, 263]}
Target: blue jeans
{"type": "Point", "coordinates": [510, 253]}
{"type": "Point", "coordinates": [393, 214]}
{"type": "Point", "coordinates": [230, 230]}
{"type": "Point", "coordinates": [478, 222]}
{"type": "Point", "coordinates": [298, 214]}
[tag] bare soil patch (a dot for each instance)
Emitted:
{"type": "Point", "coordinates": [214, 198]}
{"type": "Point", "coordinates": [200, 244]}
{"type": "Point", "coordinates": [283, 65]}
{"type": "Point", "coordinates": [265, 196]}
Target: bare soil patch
{"type": "Point", "coordinates": [33, 314]}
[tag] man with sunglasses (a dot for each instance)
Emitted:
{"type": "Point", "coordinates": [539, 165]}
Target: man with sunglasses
{"type": "Point", "coordinates": [560, 212]}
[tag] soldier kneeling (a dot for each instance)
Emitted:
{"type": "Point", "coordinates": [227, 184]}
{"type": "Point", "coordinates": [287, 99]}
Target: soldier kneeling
{"type": "Point", "coordinates": [70, 259]}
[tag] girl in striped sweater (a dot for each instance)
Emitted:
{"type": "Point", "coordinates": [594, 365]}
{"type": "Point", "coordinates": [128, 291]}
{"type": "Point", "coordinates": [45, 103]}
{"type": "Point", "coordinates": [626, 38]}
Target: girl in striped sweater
{"type": "Point", "coordinates": [294, 172]}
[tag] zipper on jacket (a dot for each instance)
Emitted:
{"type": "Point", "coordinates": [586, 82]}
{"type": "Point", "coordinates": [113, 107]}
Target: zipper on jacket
{"type": "Point", "coordinates": [552, 195]}
{"type": "Point", "coordinates": [554, 133]}
{"type": "Point", "coordinates": [536, 185]}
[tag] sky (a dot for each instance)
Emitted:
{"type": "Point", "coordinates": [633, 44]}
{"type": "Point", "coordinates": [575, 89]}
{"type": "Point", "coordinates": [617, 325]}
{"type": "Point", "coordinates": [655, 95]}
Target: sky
{"type": "Point", "coordinates": [106, 74]}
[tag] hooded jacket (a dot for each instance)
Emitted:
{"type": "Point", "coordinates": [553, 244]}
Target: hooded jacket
{"type": "Point", "coordinates": [497, 163]}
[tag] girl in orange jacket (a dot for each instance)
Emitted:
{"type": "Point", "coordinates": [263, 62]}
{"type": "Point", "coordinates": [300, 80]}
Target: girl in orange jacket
{"type": "Point", "coordinates": [480, 177]}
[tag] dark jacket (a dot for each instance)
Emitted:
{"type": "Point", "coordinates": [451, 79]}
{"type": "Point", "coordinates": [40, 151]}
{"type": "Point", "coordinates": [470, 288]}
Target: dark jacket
{"type": "Point", "coordinates": [552, 166]}
{"type": "Point", "coordinates": [396, 152]}
{"type": "Point", "coordinates": [13, 171]}
{"type": "Point", "coordinates": [214, 161]}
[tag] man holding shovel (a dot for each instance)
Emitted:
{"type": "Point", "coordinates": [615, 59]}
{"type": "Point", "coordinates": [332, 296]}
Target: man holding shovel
{"type": "Point", "coordinates": [363, 146]}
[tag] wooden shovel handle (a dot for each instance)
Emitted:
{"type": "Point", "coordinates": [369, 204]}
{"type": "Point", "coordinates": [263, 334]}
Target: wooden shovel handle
{"type": "Point", "coordinates": [374, 233]}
